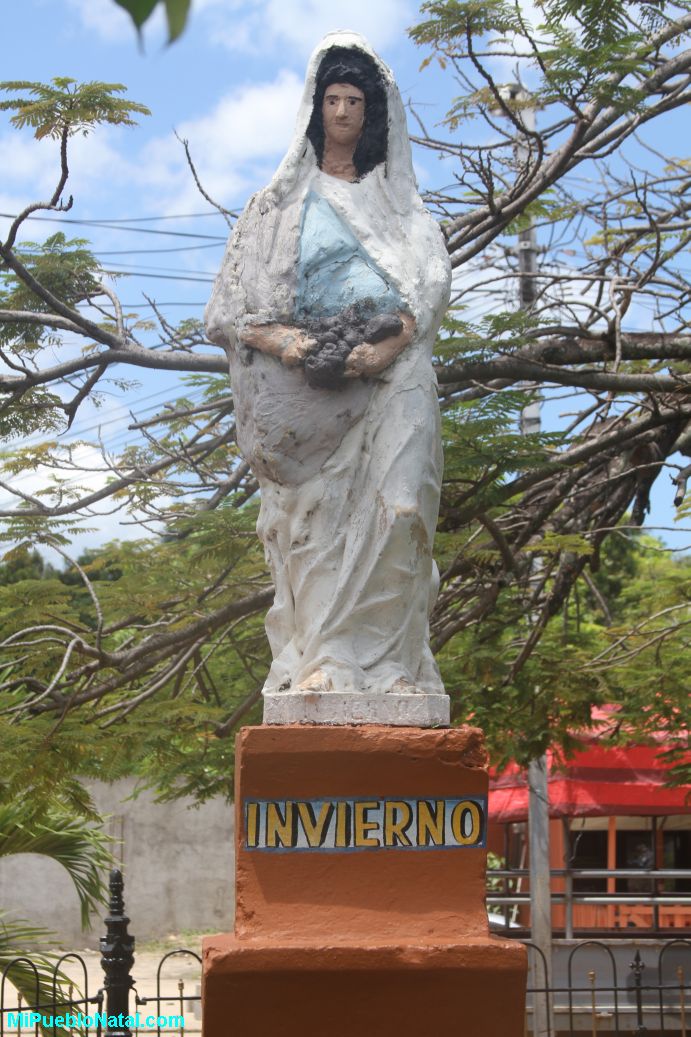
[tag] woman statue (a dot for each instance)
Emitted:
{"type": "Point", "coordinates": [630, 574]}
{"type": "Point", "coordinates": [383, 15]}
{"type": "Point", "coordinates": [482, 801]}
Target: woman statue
{"type": "Point", "coordinates": [328, 301]}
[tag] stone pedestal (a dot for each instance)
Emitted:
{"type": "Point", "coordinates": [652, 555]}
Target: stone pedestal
{"type": "Point", "coordinates": [360, 891]}
{"type": "Point", "coordinates": [414, 709]}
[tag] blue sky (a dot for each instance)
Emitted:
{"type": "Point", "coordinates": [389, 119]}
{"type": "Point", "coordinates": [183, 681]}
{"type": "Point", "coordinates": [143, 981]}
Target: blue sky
{"type": "Point", "coordinates": [231, 86]}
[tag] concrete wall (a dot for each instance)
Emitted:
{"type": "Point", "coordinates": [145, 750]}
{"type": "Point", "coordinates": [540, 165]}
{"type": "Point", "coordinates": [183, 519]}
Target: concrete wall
{"type": "Point", "coordinates": [177, 860]}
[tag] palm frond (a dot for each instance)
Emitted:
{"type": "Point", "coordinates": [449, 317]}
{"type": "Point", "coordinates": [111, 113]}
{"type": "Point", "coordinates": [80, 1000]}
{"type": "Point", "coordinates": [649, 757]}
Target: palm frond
{"type": "Point", "coordinates": [71, 841]}
{"type": "Point", "coordinates": [39, 983]}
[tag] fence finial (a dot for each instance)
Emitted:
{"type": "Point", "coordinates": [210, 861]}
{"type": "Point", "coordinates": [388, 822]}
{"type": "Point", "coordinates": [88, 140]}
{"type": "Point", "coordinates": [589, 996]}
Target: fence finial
{"type": "Point", "coordinates": [117, 950]}
{"type": "Point", "coordinates": [638, 965]}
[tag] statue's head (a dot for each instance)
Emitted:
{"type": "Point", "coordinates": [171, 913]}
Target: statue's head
{"type": "Point", "coordinates": [340, 68]}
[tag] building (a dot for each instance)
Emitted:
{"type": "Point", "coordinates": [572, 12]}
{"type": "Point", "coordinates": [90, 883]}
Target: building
{"type": "Point", "coordinates": [610, 811]}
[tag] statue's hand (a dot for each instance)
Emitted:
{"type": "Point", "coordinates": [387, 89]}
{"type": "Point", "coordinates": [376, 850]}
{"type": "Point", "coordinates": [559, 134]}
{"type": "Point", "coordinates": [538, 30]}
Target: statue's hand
{"type": "Point", "coordinates": [369, 359]}
{"type": "Point", "coordinates": [364, 360]}
{"type": "Point", "coordinates": [297, 346]}
{"type": "Point", "coordinates": [288, 344]}
{"type": "Point", "coordinates": [258, 336]}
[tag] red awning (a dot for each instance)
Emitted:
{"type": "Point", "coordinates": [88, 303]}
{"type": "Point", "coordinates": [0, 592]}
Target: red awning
{"type": "Point", "coordinates": [596, 782]}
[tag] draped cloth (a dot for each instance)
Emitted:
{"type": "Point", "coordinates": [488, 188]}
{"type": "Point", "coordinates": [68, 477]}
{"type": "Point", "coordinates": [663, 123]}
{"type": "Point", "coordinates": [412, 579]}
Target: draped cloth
{"type": "Point", "coordinates": [334, 271]}
{"type": "Point", "coordinates": [349, 478]}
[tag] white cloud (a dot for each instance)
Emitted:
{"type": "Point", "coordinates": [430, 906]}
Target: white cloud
{"type": "Point", "coordinates": [247, 129]}
{"type": "Point", "coordinates": [111, 22]}
{"type": "Point", "coordinates": [97, 162]}
{"type": "Point", "coordinates": [89, 478]}
{"type": "Point", "coordinates": [88, 475]}
{"type": "Point", "coordinates": [258, 27]}
{"type": "Point", "coordinates": [33, 170]}
{"type": "Point", "coordinates": [236, 147]}
{"type": "Point", "coordinates": [262, 25]}
{"type": "Point", "coordinates": [33, 165]}
{"type": "Point", "coordinates": [254, 122]}
{"type": "Point", "coordinates": [108, 20]}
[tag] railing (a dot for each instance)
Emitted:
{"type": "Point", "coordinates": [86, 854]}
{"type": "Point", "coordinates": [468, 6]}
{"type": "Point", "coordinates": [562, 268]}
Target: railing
{"type": "Point", "coordinates": [595, 998]}
{"type": "Point", "coordinates": [179, 1003]}
{"type": "Point", "coordinates": [668, 911]}
{"type": "Point", "coordinates": [58, 1000]}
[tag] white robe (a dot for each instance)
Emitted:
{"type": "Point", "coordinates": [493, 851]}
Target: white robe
{"type": "Point", "coordinates": [349, 479]}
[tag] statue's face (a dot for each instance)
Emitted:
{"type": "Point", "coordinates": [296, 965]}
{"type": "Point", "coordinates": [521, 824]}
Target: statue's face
{"type": "Point", "coordinates": [343, 111]}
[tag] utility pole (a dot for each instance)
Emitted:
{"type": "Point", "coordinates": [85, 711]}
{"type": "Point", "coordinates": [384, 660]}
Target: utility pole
{"type": "Point", "coordinates": [527, 257]}
{"type": "Point", "coordinates": [538, 799]}
{"type": "Point", "coordinates": [540, 891]}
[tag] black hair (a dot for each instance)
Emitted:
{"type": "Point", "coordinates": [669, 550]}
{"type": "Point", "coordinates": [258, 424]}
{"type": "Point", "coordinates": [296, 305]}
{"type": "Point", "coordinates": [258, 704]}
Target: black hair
{"type": "Point", "coordinates": [349, 65]}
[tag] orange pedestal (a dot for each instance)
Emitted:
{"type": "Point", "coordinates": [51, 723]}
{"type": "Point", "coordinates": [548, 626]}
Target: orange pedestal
{"type": "Point", "coordinates": [360, 891]}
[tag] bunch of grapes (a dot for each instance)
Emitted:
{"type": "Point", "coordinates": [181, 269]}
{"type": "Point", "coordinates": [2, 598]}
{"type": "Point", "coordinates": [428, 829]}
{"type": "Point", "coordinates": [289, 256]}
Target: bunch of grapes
{"type": "Point", "coordinates": [337, 336]}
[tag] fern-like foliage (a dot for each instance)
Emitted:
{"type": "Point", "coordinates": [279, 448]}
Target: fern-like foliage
{"type": "Point", "coordinates": [65, 106]}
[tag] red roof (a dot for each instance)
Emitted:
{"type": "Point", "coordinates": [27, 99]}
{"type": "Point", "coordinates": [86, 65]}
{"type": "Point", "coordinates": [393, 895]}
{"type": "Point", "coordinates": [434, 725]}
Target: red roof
{"type": "Point", "coordinates": [596, 782]}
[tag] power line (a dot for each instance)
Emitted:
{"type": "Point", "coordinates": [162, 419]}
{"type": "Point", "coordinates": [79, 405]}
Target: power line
{"type": "Point", "coordinates": [144, 251]}
{"type": "Point", "coordinates": [114, 226]}
{"type": "Point", "coordinates": [133, 219]}
{"type": "Point", "coordinates": [151, 251]}
{"type": "Point", "coordinates": [157, 269]}
{"type": "Point", "coordinates": [162, 277]}
{"type": "Point", "coordinates": [79, 430]}
{"type": "Point", "coordinates": [150, 219]}
{"type": "Point", "coordinates": [140, 268]}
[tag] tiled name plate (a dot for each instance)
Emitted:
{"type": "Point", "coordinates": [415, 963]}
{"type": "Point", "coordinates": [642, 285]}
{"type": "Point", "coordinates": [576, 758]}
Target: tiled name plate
{"type": "Point", "coordinates": [337, 825]}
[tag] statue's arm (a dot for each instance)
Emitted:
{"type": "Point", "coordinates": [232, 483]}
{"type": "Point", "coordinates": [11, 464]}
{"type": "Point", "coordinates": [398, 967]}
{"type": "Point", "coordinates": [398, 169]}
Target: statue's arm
{"type": "Point", "coordinates": [291, 345]}
{"type": "Point", "coordinates": [370, 358]}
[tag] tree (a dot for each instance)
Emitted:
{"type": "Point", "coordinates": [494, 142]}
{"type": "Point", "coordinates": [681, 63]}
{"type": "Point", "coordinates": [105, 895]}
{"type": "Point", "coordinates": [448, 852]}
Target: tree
{"type": "Point", "coordinates": [525, 518]}
{"type": "Point", "coordinates": [621, 637]}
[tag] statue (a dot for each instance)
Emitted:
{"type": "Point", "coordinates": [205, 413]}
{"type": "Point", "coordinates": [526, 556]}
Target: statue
{"type": "Point", "coordinates": [331, 292]}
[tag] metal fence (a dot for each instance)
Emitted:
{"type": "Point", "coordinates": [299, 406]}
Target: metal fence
{"type": "Point", "coordinates": [60, 1008]}
{"type": "Point", "coordinates": [586, 991]}
{"type": "Point", "coordinates": [666, 910]}
{"type": "Point", "coordinates": [590, 987]}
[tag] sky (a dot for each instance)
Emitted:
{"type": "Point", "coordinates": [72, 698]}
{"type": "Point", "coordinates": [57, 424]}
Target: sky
{"type": "Point", "coordinates": [230, 86]}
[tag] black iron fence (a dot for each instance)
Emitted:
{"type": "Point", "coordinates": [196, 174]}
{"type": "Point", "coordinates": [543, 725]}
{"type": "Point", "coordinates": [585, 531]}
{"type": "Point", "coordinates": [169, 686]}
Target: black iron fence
{"type": "Point", "coordinates": [594, 987]}
{"type": "Point", "coordinates": [52, 997]}
{"type": "Point", "coordinates": [590, 987]}
{"type": "Point", "coordinates": [54, 1005]}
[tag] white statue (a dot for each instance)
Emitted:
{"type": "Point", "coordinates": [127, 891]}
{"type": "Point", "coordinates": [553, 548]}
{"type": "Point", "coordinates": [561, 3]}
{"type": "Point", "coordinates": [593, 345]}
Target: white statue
{"type": "Point", "coordinates": [328, 302]}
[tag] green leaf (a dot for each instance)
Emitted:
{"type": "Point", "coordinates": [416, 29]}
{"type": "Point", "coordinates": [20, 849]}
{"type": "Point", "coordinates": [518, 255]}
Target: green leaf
{"type": "Point", "coordinates": [39, 982]}
{"type": "Point", "coordinates": [74, 843]}
{"type": "Point", "coordinates": [552, 542]}
{"type": "Point", "coordinates": [177, 11]}
{"type": "Point", "coordinates": [65, 107]}
{"type": "Point", "coordinates": [176, 14]}
{"type": "Point", "coordinates": [138, 10]}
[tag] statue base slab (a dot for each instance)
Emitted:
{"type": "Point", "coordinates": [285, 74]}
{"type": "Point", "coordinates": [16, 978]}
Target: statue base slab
{"type": "Point", "coordinates": [360, 886]}
{"type": "Point", "coordinates": [419, 709]}
{"type": "Point", "coordinates": [258, 989]}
